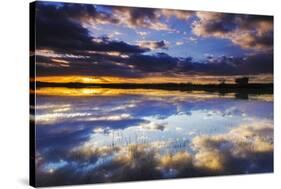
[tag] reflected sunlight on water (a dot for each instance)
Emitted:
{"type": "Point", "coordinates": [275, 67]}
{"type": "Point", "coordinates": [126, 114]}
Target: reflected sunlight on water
{"type": "Point", "coordinates": [64, 91]}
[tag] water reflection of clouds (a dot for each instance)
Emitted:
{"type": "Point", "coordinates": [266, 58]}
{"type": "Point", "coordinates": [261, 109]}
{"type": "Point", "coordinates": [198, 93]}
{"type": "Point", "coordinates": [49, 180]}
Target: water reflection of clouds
{"type": "Point", "coordinates": [109, 108]}
{"type": "Point", "coordinates": [138, 137]}
{"type": "Point", "coordinates": [245, 149]}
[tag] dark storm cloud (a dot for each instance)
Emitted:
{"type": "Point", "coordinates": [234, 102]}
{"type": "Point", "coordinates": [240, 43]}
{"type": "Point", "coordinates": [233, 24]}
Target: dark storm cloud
{"type": "Point", "coordinates": [248, 31]}
{"type": "Point", "coordinates": [254, 64]}
{"type": "Point", "coordinates": [261, 63]}
{"type": "Point", "coordinates": [160, 62]}
{"type": "Point", "coordinates": [224, 25]}
{"type": "Point", "coordinates": [154, 19]}
{"type": "Point", "coordinates": [136, 65]}
{"type": "Point", "coordinates": [137, 16]}
{"type": "Point", "coordinates": [59, 29]}
{"type": "Point", "coordinates": [95, 65]}
{"type": "Point", "coordinates": [140, 65]}
{"type": "Point", "coordinates": [73, 51]}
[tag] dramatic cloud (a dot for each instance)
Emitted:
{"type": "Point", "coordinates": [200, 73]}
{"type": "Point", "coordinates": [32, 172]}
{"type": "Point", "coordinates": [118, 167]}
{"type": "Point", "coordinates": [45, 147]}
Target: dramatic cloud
{"type": "Point", "coordinates": [248, 31]}
{"type": "Point", "coordinates": [57, 29]}
{"type": "Point", "coordinates": [129, 17]}
{"type": "Point", "coordinates": [160, 62]}
{"type": "Point", "coordinates": [141, 65]}
{"type": "Point", "coordinates": [66, 44]}
{"type": "Point", "coordinates": [179, 14]}
{"type": "Point", "coordinates": [148, 18]}
{"type": "Point", "coordinates": [139, 17]}
{"type": "Point", "coordinates": [253, 64]}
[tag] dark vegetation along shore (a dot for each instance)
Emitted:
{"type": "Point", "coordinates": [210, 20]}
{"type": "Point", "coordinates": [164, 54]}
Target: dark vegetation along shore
{"type": "Point", "coordinates": [242, 90]}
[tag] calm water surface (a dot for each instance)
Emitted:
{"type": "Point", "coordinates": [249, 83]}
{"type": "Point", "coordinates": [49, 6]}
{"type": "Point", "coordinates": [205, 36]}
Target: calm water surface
{"type": "Point", "coordinates": [108, 135]}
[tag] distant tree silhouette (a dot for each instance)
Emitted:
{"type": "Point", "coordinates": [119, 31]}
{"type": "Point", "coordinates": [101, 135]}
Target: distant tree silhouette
{"type": "Point", "coordinates": [242, 81]}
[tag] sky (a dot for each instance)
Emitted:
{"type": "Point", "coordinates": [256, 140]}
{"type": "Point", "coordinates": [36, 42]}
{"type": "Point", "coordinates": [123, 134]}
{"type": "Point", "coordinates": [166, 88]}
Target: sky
{"type": "Point", "coordinates": [112, 44]}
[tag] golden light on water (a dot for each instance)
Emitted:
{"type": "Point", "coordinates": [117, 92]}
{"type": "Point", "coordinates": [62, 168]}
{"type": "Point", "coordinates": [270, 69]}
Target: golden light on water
{"type": "Point", "coordinates": [91, 92]}
{"type": "Point", "coordinates": [195, 79]}
{"type": "Point", "coordinates": [64, 91]}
